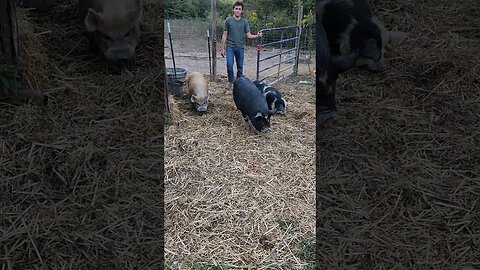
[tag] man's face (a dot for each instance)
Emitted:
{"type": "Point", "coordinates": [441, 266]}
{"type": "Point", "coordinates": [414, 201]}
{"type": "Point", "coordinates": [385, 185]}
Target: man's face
{"type": "Point", "coordinates": [237, 11]}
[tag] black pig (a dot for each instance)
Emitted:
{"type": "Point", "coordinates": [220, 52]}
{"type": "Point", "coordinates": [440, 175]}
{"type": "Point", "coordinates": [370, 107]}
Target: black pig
{"type": "Point", "coordinates": [252, 104]}
{"type": "Point", "coordinates": [274, 98]}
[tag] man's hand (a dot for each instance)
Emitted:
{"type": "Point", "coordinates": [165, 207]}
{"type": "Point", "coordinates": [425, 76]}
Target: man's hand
{"type": "Point", "coordinates": [223, 44]}
{"type": "Point", "coordinates": [259, 34]}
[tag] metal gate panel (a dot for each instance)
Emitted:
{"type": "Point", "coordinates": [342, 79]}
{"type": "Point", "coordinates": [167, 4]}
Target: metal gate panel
{"type": "Point", "coordinates": [265, 60]}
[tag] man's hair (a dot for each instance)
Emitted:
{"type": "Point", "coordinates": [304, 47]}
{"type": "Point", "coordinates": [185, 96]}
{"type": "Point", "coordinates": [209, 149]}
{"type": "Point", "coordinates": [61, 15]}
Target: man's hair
{"type": "Point", "coordinates": [237, 3]}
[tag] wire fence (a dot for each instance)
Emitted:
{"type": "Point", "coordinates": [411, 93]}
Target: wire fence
{"type": "Point", "coordinates": [190, 47]}
{"type": "Point", "coordinates": [192, 34]}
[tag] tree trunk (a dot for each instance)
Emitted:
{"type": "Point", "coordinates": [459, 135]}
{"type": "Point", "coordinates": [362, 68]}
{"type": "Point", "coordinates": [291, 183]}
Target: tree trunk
{"type": "Point", "coordinates": [11, 52]}
{"type": "Point", "coordinates": [214, 40]}
{"type": "Point", "coordinates": [9, 34]}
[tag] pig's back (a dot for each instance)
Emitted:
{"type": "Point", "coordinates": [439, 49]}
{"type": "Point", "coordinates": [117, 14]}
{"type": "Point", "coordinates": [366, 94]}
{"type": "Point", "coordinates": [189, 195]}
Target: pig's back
{"type": "Point", "coordinates": [198, 87]}
{"type": "Point", "coordinates": [248, 98]}
{"type": "Point", "coordinates": [105, 5]}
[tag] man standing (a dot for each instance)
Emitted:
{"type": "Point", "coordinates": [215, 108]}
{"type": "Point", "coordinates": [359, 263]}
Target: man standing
{"type": "Point", "coordinates": [234, 38]}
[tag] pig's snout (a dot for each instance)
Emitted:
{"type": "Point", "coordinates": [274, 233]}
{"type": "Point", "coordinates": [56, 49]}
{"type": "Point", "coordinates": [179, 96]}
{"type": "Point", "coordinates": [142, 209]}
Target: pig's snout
{"type": "Point", "coordinates": [120, 53]}
{"type": "Point", "coordinates": [265, 129]}
{"type": "Point", "coordinates": [201, 109]}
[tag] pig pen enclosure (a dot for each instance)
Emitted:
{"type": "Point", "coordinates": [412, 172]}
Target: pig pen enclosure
{"type": "Point", "coordinates": [398, 174]}
{"type": "Point", "coordinates": [80, 178]}
{"type": "Point", "coordinates": [190, 49]}
{"type": "Point", "coordinates": [235, 199]}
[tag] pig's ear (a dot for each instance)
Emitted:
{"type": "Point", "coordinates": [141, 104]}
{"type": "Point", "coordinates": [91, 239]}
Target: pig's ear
{"type": "Point", "coordinates": [193, 98]}
{"type": "Point", "coordinates": [344, 47]}
{"type": "Point", "coordinates": [136, 14]}
{"type": "Point", "coordinates": [93, 20]}
{"type": "Point", "coordinates": [258, 115]}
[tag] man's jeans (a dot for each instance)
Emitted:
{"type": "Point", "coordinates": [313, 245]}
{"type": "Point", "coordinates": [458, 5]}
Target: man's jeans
{"type": "Point", "coordinates": [238, 54]}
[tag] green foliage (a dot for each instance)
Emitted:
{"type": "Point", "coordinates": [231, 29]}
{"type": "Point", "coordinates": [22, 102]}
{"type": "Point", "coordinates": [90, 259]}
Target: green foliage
{"type": "Point", "coordinates": [167, 119]}
{"type": "Point", "coordinates": [278, 13]}
{"type": "Point", "coordinates": [260, 14]}
{"type": "Point", "coordinates": [307, 252]}
{"type": "Point", "coordinates": [178, 9]}
{"type": "Point", "coordinates": [285, 224]}
{"type": "Point", "coordinates": [308, 18]}
{"type": "Point", "coordinates": [224, 9]}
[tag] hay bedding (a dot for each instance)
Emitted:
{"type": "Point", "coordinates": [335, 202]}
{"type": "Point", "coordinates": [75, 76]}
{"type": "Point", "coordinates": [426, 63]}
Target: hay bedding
{"type": "Point", "coordinates": [227, 189]}
{"type": "Point", "coordinates": [398, 174]}
{"type": "Point", "coordinates": [81, 177]}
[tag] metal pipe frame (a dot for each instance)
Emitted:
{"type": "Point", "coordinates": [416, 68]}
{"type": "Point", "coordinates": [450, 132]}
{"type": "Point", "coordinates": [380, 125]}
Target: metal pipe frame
{"type": "Point", "coordinates": [282, 41]}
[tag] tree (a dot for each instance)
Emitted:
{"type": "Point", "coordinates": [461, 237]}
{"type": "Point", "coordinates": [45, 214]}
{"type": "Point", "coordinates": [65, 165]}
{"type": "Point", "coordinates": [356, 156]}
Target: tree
{"type": "Point", "coordinates": [260, 14]}
{"type": "Point", "coordinates": [9, 75]}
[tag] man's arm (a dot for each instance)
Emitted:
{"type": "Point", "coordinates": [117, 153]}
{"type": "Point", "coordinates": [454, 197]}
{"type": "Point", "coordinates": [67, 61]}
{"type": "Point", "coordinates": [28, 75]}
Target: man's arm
{"type": "Point", "coordinates": [250, 36]}
{"type": "Point", "coordinates": [224, 40]}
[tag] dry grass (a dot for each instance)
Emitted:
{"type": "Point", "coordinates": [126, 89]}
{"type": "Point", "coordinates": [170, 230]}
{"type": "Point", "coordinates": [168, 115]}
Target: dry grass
{"type": "Point", "coordinates": [34, 59]}
{"type": "Point", "coordinates": [80, 179]}
{"type": "Point", "coordinates": [398, 174]}
{"type": "Point", "coordinates": [235, 199]}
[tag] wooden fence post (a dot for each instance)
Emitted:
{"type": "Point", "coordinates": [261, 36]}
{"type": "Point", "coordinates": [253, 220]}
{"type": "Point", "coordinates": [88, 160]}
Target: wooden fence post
{"type": "Point", "coordinates": [9, 34]}
{"type": "Point", "coordinates": [214, 40]}
{"type": "Point", "coordinates": [10, 46]}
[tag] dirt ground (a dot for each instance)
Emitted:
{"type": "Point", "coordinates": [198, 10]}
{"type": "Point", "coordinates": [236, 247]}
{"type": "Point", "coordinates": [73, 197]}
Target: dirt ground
{"type": "Point", "coordinates": [199, 62]}
{"type": "Point", "coordinates": [235, 199]}
{"type": "Point", "coordinates": [80, 178]}
{"type": "Point", "coordinates": [398, 173]}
